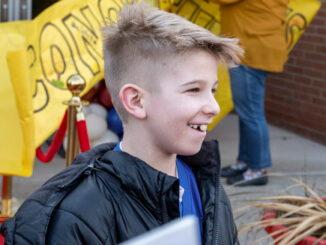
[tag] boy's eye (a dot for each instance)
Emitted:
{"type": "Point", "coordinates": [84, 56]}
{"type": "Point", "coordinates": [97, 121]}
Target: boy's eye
{"type": "Point", "coordinates": [214, 90]}
{"type": "Point", "coordinates": [193, 90]}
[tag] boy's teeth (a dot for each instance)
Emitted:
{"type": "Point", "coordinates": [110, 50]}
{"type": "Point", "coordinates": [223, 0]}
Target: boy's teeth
{"type": "Point", "coordinates": [200, 127]}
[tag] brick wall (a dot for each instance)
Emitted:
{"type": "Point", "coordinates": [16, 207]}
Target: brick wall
{"type": "Point", "coordinates": [296, 98]}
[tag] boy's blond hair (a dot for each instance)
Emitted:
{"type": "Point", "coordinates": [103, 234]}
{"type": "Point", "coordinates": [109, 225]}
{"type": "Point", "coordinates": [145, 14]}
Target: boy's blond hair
{"type": "Point", "coordinates": [144, 37]}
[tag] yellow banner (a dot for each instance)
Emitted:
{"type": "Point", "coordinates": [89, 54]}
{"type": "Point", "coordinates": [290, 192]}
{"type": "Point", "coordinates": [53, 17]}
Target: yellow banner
{"type": "Point", "coordinates": [13, 149]}
{"type": "Point", "coordinates": [65, 40]}
{"type": "Point", "coordinates": [62, 41]}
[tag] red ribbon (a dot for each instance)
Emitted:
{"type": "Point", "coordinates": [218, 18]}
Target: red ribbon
{"type": "Point", "coordinates": [83, 136]}
{"type": "Point", "coordinates": [56, 143]}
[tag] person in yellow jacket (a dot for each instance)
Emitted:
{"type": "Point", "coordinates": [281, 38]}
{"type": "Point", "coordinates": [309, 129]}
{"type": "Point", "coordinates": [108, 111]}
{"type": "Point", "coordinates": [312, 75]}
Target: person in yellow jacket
{"type": "Point", "coordinates": [260, 26]}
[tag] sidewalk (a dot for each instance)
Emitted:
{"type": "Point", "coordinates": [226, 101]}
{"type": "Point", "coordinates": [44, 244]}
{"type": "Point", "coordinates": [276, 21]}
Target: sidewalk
{"type": "Point", "coordinates": [292, 156]}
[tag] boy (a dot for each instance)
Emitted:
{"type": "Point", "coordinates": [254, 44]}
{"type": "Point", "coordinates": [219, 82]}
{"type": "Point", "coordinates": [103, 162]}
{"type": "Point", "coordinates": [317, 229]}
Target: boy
{"type": "Point", "coordinates": [161, 72]}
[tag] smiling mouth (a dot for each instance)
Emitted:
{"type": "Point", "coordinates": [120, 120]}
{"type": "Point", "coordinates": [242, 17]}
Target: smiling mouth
{"type": "Point", "coordinates": [199, 127]}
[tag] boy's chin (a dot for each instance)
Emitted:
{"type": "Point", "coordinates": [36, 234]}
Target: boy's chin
{"type": "Point", "coordinates": [190, 151]}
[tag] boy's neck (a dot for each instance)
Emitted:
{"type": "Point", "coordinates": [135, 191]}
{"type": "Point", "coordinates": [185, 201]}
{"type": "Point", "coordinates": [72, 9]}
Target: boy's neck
{"type": "Point", "coordinates": [155, 158]}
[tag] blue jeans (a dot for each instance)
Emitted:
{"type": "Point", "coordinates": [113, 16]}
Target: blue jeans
{"type": "Point", "coordinates": [248, 91]}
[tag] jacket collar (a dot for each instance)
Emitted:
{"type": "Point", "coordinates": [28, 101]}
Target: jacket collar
{"type": "Point", "coordinates": [136, 175]}
{"type": "Point", "coordinates": [153, 188]}
{"type": "Point", "coordinates": [207, 160]}
{"type": "Point", "coordinates": [134, 172]}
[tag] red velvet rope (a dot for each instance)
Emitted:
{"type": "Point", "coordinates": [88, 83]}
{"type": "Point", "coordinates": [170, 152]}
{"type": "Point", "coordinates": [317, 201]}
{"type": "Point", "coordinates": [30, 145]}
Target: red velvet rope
{"type": "Point", "coordinates": [56, 143]}
{"type": "Point", "coordinates": [83, 136]}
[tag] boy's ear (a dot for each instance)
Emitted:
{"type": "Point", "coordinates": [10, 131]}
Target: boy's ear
{"type": "Point", "coordinates": [131, 97]}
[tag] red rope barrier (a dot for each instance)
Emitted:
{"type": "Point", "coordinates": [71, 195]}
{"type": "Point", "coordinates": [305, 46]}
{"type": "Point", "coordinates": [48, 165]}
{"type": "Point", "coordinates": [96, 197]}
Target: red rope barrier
{"type": "Point", "coordinates": [56, 143]}
{"type": "Point", "coordinates": [83, 135]}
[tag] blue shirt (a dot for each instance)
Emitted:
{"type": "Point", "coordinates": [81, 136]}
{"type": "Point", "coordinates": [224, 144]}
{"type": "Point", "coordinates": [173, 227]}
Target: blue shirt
{"type": "Point", "coordinates": [189, 200]}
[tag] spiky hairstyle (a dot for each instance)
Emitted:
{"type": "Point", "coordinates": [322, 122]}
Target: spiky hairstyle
{"type": "Point", "coordinates": [144, 36]}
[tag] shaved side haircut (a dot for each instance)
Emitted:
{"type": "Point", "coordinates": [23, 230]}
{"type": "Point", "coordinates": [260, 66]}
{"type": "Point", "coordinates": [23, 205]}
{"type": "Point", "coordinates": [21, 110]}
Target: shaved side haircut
{"type": "Point", "coordinates": [145, 38]}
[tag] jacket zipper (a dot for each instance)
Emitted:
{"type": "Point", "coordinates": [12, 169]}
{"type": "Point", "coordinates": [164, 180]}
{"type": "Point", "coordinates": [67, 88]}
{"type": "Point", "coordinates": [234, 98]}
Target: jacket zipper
{"type": "Point", "coordinates": [165, 217]}
{"type": "Point", "coordinates": [216, 226]}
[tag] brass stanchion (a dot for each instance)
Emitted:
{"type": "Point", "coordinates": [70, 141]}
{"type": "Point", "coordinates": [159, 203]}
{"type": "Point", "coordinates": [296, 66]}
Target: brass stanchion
{"type": "Point", "coordinates": [6, 198]}
{"type": "Point", "coordinates": [76, 85]}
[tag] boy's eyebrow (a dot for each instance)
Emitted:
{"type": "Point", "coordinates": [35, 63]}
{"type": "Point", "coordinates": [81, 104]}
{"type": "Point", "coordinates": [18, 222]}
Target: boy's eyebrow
{"type": "Point", "coordinates": [197, 81]}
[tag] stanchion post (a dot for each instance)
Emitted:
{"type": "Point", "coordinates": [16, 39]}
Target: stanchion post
{"type": "Point", "coordinates": [76, 85]}
{"type": "Point", "coordinates": [6, 198]}
{"type": "Point", "coordinates": [72, 143]}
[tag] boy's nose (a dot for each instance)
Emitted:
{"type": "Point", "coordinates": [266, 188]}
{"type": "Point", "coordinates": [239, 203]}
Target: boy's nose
{"type": "Point", "coordinates": [211, 108]}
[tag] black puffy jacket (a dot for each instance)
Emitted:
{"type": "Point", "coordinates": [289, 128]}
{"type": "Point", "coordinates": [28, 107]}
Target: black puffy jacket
{"type": "Point", "coordinates": [107, 197]}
